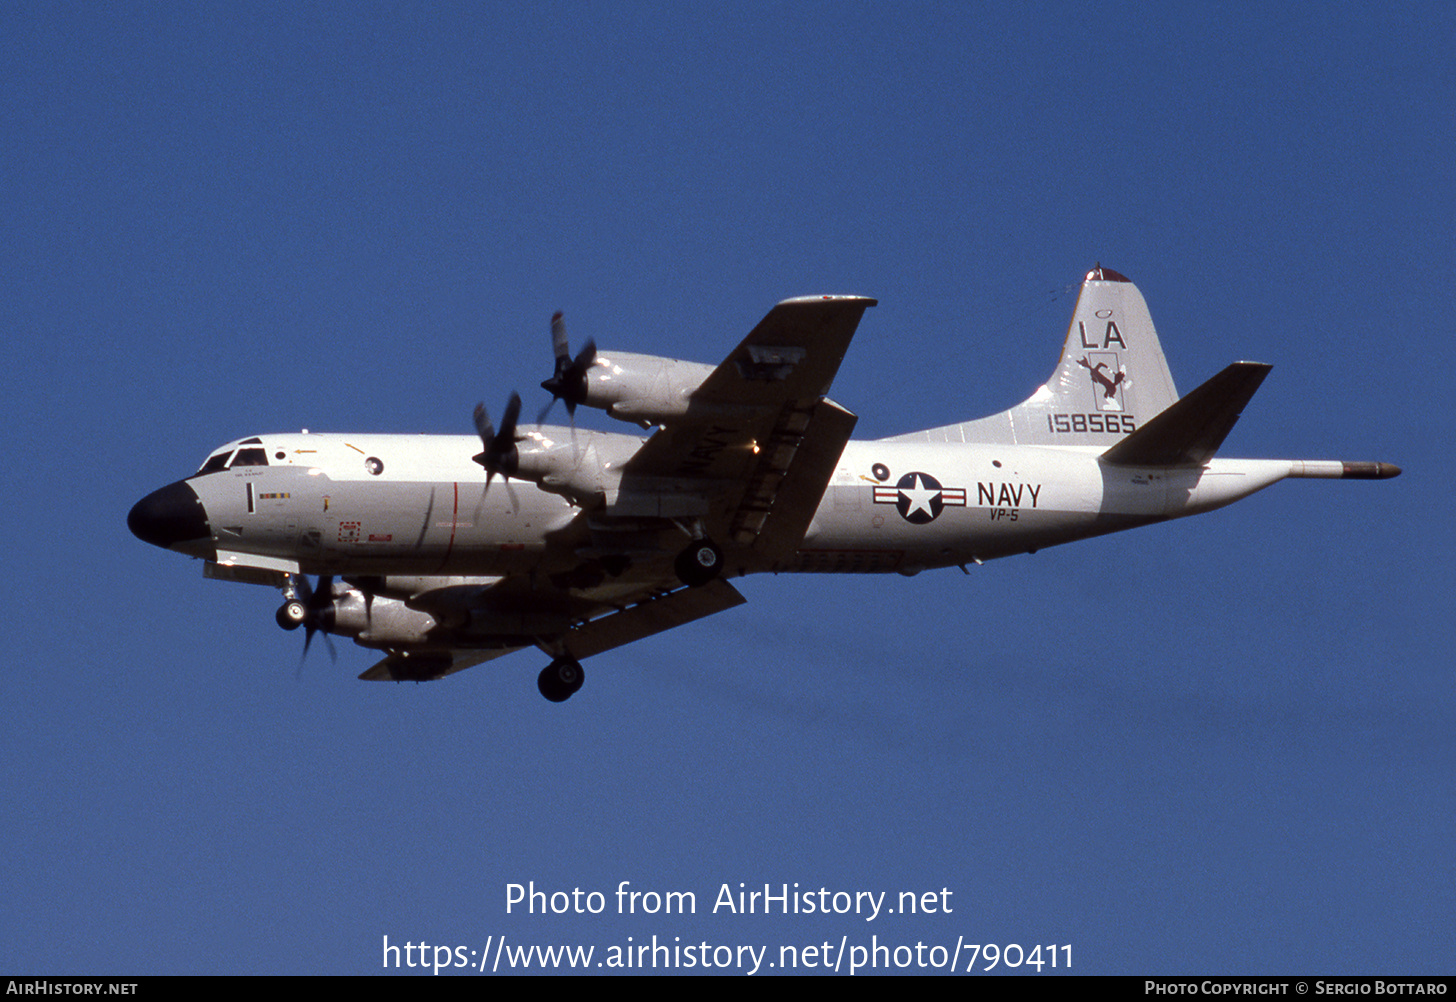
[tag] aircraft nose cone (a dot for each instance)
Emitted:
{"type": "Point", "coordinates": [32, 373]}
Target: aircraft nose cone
{"type": "Point", "coordinates": [171, 515]}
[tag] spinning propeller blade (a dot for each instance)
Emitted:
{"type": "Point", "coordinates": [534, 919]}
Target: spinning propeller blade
{"type": "Point", "coordinates": [318, 613]}
{"type": "Point", "coordinates": [568, 382]}
{"type": "Point", "coordinates": [499, 454]}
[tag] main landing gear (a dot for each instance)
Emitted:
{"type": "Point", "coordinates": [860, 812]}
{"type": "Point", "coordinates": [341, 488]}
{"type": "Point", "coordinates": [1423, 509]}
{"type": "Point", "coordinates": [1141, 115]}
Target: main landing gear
{"type": "Point", "coordinates": [699, 563]}
{"type": "Point", "coordinates": [560, 679]}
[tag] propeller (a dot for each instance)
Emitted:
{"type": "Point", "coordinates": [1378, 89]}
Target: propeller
{"type": "Point", "coordinates": [318, 612]}
{"type": "Point", "coordinates": [568, 382]}
{"type": "Point", "coordinates": [500, 454]}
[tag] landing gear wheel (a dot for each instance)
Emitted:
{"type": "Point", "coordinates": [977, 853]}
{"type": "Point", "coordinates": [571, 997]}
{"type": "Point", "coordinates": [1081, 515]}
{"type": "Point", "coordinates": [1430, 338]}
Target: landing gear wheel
{"type": "Point", "coordinates": [291, 614]}
{"type": "Point", "coordinates": [560, 679]}
{"type": "Point", "coordinates": [700, 563]}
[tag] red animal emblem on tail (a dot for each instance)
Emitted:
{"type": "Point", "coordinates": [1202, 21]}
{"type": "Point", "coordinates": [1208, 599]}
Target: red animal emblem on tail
{"type": "Point", "coordinates": [1109, 386]}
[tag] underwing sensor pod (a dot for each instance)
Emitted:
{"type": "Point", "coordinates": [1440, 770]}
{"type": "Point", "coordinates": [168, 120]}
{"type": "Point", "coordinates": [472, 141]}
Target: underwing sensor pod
{"type": "Point", "coordinates": [443, 552]}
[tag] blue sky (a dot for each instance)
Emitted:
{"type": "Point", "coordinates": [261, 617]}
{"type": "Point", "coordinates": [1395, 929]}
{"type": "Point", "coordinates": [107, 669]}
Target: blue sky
{"type": "Point", "coordinates": [1216, 745]}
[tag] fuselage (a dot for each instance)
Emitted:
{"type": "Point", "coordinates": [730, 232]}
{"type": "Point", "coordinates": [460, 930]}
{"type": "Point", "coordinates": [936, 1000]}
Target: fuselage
{"type": "Point", "coordinates": [417, 505]}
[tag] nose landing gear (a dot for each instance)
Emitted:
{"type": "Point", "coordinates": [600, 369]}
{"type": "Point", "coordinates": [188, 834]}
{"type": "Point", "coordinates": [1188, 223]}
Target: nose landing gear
{"type": "Point", "coordinates": [291, 614]}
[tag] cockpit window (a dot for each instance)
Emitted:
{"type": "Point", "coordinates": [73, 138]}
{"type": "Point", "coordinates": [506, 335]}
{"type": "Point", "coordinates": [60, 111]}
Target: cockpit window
{"type": "Point", "coordinates": [250, 457]}
{"type": "Point", "coordinates": [215, 464]}
{"type": "Point", "coordinates": [243, 457]}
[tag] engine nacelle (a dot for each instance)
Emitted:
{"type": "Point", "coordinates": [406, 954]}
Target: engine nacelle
{"type": "Point", "coordinates": [379, 621]}
{"type": "Point", "coordinates": [458, 610]}
{"type": "Point", "coordinates": [585, 470]}
{"type": "Point", "coordinates": [643, 389]}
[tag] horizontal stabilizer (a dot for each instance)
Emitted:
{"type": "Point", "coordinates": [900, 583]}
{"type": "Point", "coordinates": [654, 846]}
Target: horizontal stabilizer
{"type": "Point", "coordinates": [1190, 430]}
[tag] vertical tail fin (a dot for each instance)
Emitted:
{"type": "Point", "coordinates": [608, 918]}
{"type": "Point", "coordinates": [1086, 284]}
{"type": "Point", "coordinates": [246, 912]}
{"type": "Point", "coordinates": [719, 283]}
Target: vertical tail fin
{"type": "Point", "coordinates": [1111, 360]}
{"type": "Point", "coordinates": [1112, 378]}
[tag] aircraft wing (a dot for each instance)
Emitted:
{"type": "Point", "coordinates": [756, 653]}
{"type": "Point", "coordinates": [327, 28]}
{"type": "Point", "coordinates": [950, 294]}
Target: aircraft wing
{"type": "Point", "coordinates": [794, 351]}
{"type": "Point", "coordinates": [424, 666]}
{"type": "Point", "coordinates": [759, 440]}
{"type": "Point", "coordinates": [651, 613]}
{"type": "Point", "coordinates": [750, 458]}
{"type": "Point", "coordinates": [650, 616]}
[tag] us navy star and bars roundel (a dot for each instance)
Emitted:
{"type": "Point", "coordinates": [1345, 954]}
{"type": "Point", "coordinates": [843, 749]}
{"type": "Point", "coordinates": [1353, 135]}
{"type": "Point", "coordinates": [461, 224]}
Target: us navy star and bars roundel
{"type": "Point", "coordinates": [919, 497]}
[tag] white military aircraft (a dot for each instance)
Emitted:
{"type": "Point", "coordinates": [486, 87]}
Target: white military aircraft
{"type": "Point", "coordinates": [447, 551]}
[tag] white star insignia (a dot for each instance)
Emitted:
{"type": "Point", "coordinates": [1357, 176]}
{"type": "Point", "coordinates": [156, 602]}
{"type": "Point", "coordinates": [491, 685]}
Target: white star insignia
{"type": "Point", "coordinates": [919, 497]}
